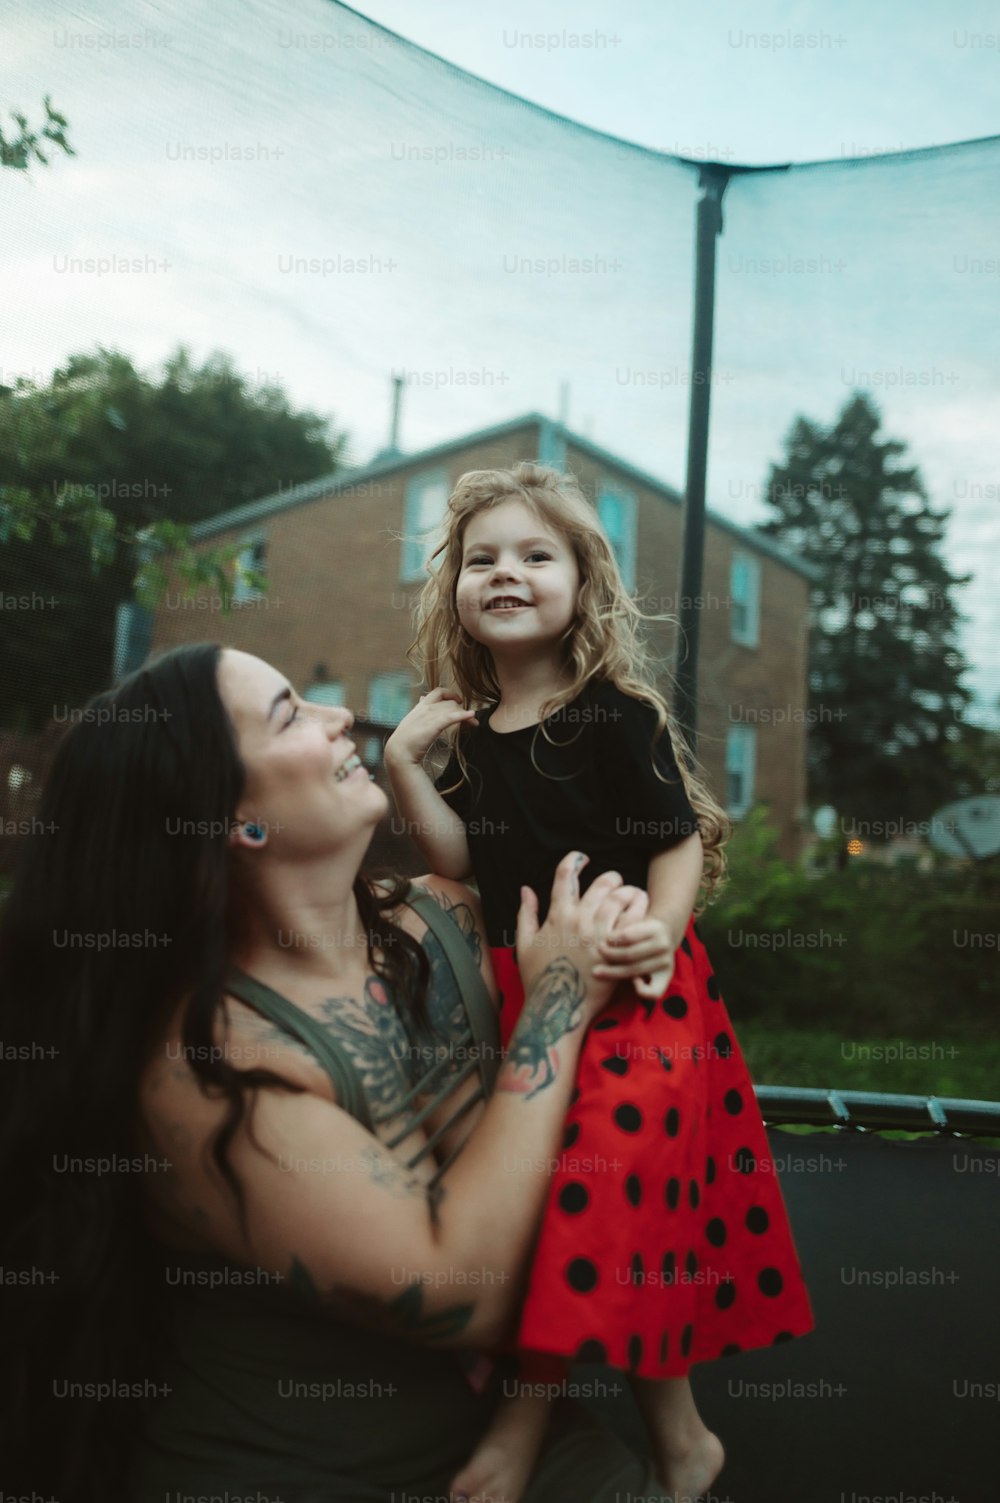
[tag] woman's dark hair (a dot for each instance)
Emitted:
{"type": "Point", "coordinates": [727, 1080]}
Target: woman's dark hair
{"type": "Point", "coordinates": [121, 906]}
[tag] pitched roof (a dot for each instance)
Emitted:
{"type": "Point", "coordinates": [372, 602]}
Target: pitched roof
{"type": "Point", "coordinates": [389, 462]}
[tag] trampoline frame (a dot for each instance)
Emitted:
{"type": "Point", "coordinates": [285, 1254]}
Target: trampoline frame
{"type": "Point", "coordinates": [861, 1111]}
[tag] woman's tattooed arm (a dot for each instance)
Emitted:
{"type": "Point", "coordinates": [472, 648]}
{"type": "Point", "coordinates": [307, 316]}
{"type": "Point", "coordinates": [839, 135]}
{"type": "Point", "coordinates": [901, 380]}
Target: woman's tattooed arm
{"type": "Point", "coordinates": [553, 1008]}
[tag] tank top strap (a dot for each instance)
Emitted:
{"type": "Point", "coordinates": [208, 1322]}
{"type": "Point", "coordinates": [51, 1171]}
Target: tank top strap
{"type": "Point", "coordinates": [296, 1021]}
{"type": "Point", "coordinates": [482, 1015]}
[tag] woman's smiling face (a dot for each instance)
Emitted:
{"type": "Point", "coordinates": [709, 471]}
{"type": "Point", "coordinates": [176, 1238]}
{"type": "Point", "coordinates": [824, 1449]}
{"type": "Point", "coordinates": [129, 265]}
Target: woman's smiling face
{"type": "Point", "coordinates": [305, 783]}
{"type": "Point", "coordinates": [518, 584]}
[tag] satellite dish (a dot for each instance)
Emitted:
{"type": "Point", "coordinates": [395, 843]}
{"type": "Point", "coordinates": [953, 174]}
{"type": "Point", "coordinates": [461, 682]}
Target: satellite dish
{"type": "Point", "coordinates": [970, 827]}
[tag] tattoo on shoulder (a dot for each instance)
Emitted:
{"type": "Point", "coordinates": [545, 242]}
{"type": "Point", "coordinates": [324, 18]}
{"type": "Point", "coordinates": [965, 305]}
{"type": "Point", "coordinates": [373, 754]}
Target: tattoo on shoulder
{"type": "Point", "coordinates": [462, 915]}
{"type": "Point", "coordinates": [403, 1316]}
{"type": "Point", "coordinates": [553, 1009]}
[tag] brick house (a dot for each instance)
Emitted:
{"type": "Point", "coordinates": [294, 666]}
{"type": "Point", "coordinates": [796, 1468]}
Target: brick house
{"type": "Point", "coordinates": [344, 557]}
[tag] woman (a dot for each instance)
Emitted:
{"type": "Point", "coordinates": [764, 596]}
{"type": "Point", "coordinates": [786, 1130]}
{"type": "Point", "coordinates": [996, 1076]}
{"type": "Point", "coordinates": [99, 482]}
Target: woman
{"type": "Point", "coordinates": [238, 1133]}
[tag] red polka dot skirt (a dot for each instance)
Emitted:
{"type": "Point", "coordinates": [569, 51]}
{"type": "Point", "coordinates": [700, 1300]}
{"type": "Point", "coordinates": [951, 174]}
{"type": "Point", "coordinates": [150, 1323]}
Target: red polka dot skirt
{"type": "Point", "coordinates": [665, 1239]}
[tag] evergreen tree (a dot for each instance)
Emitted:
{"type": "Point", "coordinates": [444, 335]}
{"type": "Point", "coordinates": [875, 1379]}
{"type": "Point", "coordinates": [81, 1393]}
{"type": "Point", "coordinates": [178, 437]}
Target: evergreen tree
{"type": "Point", "coordinates": [885, 668]}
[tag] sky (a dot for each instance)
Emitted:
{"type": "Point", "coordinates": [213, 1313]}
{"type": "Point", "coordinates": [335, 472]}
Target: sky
{"type": "Point", "coordinates": [235, 253]}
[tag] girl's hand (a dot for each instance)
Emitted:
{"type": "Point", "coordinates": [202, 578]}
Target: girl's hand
{"type": "Point", "coordinates": [642, 951]}
{"type": "Point", "coordinates": [573, 931]}
{"type": "Point", "coordinates": [418, 730]}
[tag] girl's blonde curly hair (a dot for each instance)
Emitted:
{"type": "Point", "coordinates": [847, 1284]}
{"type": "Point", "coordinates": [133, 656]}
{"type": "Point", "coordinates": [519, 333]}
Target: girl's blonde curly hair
{"type": "Point", "coordinates": [605, 640]}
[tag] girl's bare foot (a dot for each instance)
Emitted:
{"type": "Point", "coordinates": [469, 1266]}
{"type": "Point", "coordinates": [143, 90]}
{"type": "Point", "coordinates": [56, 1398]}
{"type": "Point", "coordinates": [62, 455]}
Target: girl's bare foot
{"type": "Point", "coordinates": [687, 1455]}
{"type": "Point", "coordinates": [499, 1468]}
{"type": "Point", "coordinates": [687, 1472]}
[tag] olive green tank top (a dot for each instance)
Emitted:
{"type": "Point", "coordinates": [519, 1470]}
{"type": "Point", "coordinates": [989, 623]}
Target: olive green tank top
{"type": "Point", "coordinates": [479, 1043]}
{"type": "Point", "coordinates": [269, 1396]}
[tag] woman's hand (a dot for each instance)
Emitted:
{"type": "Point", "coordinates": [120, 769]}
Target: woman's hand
{"type": "Point", "coordinates": [418, 730]}
{"type": "Point", "coordinates": [574, 929]}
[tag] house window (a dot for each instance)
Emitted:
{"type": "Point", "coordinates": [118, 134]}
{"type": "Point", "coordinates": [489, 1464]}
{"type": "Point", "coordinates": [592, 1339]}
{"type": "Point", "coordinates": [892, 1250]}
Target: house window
{"type": "Point", "coordinates": [744, 595]}
{"type": "Point", "coordinates": [423, 511]}
{"type": "Point", "coordinates": [741, 747]}
{"type": "Point", "coordinates": [253, 556]}
{"type": "Point", "coordinates": [617, 511]}
{"type": "Point", "coordinates": [389, 698]}
{"type": "Point", "coordinates": [329, 692]}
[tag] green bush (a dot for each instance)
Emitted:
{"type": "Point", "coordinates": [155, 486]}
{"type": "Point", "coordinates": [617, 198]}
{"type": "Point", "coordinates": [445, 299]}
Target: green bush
{"type": "Point", "coordinates": [869, 951]}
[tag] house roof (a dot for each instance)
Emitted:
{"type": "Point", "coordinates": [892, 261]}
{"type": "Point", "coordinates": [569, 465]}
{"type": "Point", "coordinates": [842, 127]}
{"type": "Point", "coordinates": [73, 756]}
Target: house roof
{"type": "Point", "coordinates": [390, 462]}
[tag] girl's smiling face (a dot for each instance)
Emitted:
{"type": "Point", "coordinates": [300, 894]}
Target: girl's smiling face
{"type": "Point", "coordinates": [519, 580]}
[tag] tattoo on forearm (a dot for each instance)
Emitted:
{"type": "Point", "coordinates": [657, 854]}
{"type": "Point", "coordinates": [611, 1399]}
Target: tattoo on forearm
{"type": "Point", "coordinates": [402, 1316]}
{"type": "Point", "coordinates": [554, 1008]}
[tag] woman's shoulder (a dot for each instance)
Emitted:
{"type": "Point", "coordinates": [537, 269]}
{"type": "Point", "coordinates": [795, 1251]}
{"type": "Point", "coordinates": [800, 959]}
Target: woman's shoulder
{"type": "Point", "coordinates": [453, 898]}
{"type": "Point", "coordinates": [463, 907]}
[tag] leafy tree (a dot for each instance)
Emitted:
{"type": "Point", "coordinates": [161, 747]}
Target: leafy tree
{"type": "Point", "coordinates": [885, 696]}
{"type": "Point", "coordinates": [24, 148]}
{"type": "Point", "coordinates": [113, 467]}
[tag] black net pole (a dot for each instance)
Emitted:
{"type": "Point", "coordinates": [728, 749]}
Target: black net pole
{"type": "Point", "coordinates": [714, 178]}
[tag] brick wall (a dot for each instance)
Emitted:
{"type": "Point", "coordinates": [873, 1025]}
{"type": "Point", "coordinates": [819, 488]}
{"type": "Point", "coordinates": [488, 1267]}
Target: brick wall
{"type": "Point", "coordinates": [335, 595]}
{"type": "Point", "coordinates": [336, 598]}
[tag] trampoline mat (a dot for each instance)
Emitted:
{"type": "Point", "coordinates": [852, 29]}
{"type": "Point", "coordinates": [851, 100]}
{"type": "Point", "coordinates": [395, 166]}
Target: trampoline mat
{"type": "Point", "coordinates": [894, 1396]}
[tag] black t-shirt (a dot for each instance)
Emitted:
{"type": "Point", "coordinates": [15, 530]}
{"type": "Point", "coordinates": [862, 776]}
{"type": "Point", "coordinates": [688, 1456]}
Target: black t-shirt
{"type": "Point", "coordinates": [593, 789]}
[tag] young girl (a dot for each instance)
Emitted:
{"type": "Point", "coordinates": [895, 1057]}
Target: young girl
{"type": "Point", "coordinates": [665, 1240]}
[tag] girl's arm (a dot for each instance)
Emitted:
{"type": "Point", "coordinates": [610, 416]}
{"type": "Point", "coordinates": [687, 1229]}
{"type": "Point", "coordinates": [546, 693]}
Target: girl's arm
{"type": "Point", "coordinates": [674, 879]}
{"type": "Point", "coordinates": [435, 827]}
{"type": "Point", "coordinates": [643, 949]}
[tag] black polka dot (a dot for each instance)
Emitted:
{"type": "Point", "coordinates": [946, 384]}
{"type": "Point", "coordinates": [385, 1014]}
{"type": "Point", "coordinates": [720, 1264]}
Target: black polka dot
{"type": "Point", "coordinates": [757, 1220]}
{"type": "Point", "coordinates": [615, 1065]}
{"type": "Point", "coordinates": [575, 1096]}
{"type": "Point", "coordinates": [686, 947]}
{"type": "Point", "coordinates": [745, 1161]}
{"type": "Point", "coordinates": [637, 1269]}
{"type": "Point", "coordinates": [725, 1294]}
{"type": "Point", "coordinates": [603, 1024]}
{"type": "Point", "coordinates": [573, 1198]}
{"type": "Point", "coordinates": [634, 1351]}
{"type": "Point", "coordinates": [770, 1281]}
{"type": "Point", "coordinates": [666, 1061]}
{"type": "Point", "coordinates": [571, 1134]}
{"type": "Point", "coordinates": [669, 1267]}
{"type": "Point", "coordinates": [691, 1265]}
{"type": "Point", "coordinates": [783, 1336]}
{"type": "Point", "coordinates": [712, 987]}
{"type": "Point", "coordinates": [733, 1102]}
{"type": "Point", "coordinates": [628, 1117]}
{"type": "Point", "coordinates": [731, 1350]}
{"type": "Point", "coordinates": [723, 1045]}
{"type": "Point", "coordinates": [715, 1231]}
{"type": "Point", "coordinates": [581, 1275]}
{"type": "Point", "coordinates": [664, 1343]}
{"type": "Point", "coordinates": [591, 1351]}
{"type": "Point", "coordinates": [633, 1189]}
{"type": "Point", "coordinates": [673, 1193]}
{"type": "Point", "coordinates": [675, 1006]}
{"type": "Point", "coordinates": [686, 1340]}
{"type": "Point", "coordinates": [710, 1171]}
{"type": "Point", "coordinates": [672, 1122]}
{"type": "Point", "coordinates": [694, 1194]}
